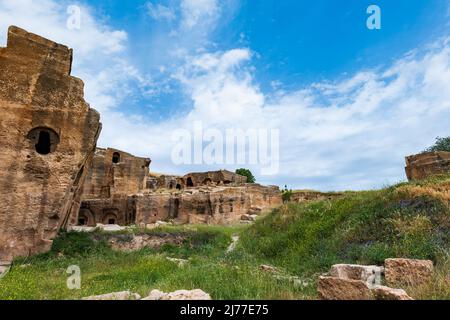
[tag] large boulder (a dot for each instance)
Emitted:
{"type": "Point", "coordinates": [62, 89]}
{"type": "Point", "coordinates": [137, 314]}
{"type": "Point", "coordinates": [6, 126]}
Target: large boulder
{"type": "Point", "coordinates": [195, 294]}
{"type": "Point", "coordinates": [333, 288]}
{"type": "Point", "coordinates": [48, 134]}
{"type": "Point", "coordinates": [407, 272]}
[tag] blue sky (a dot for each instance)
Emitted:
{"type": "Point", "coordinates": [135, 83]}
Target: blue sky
{"type": "Point", "coordinates": [349, 102]}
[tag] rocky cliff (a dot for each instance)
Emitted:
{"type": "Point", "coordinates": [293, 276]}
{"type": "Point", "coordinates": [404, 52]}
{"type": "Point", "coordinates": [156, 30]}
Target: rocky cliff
{"type": "Point", "coordinates": [423, 165]}
{"type": "Point", "coordinates": [48, 135]}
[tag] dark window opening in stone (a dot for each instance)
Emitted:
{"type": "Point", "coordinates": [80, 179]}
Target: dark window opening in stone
{"type": "Point", "coordinates": [179, 186]}
{"type": "Point", "coordinates": [44, 140]}
{"type": "Point", "coordinates": [81, 222]}
{"type": "Point", "coordinates": [116, 157]}
{"type": "Point", "coordinates": [171, 186]}
{"type": "Point", "coordinates": [111, 221]}
{"type": "Point", "coordinates": [189, 182]}
{"type": "Point", "coordinates": [43, 145]}
{"type": "Point", "coordinates": [227, 182]}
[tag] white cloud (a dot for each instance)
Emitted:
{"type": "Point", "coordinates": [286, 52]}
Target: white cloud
{"type": "Point", "coordinates": [160, 12]}
{"type": "Point", "coordinates": [347, 134]}
{"type": "Point", "coordinates": [195, 12]}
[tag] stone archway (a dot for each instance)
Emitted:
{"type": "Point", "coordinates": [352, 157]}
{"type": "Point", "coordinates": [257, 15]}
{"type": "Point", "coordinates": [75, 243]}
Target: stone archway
{"type": "Point", "coordinates": [86, 218]}
{"type": "Point", "coordinates": [44, 140]}
{"type": "Point", "coordinates": [110, 218]}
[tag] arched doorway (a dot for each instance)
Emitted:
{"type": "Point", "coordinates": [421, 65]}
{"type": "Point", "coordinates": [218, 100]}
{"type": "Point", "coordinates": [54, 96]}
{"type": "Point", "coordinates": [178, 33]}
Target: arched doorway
{"type": "Point", "coordinates": [44, 140]}
{"type": "Point", "coordinates": [86, 218]}
{"type": "Point", "coordinates": [189, 182]}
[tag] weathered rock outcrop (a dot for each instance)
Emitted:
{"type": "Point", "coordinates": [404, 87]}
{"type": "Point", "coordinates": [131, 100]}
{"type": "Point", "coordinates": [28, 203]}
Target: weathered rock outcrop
{"type": "Point", "coordinates": [221, 177]}
{"type": "Point", "coordinates": [48, 135]}
{"type": "Point", "coordinates": [213, 205]}
{"type": "Point", "coordinates": [309, 195]}
{"type": "Point", "coordinates": [115, 172]}
{"type": "Point", "coordinates": [421, 166]}
{"type": "Point", "coordinates": [107, 192]}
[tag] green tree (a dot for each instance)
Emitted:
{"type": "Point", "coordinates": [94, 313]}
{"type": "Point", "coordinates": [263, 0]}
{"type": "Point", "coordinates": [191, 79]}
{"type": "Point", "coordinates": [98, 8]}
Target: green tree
{"type": "Point", "coordinates": [247, 173]}
{"type": "Point", "coordinates": [441, 144]}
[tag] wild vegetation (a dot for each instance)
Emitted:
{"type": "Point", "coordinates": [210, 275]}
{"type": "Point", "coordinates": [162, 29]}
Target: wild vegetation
{"type": "Point", "coordinates": [247, 173]}
{"type": "Point", "coordinates": [409, 220]}
{"type": "Point", "coordinates": [441, 144]}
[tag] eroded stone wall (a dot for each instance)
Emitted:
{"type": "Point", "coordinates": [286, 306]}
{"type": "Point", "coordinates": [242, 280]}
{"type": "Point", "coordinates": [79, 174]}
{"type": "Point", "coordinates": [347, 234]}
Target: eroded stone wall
{"type": "Point", "coordinates": [423, 165]}
{"type": "Point", "coordinates": [211, 205]}
{"type": "Point", "coordinates": [108, 191]}
{"type": "Point", "coordinates": [48, 135]}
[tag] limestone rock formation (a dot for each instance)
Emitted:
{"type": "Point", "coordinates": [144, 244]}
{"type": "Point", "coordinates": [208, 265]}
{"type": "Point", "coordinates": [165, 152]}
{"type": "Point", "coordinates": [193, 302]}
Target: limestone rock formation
{"type": "Point", "coordinates": [409, 272]}
{"type": "Point", "coordinates": [214, 205]}
{"type": "Point", "coordinates": [119, 189]}
{"type": "Point", "coordinates": [195, 294]}
{"type": "Point", "coordinates": [48, 135]}
{"type": "Point", "coordinates": [310, 195]}
{"type": "Point", "coordinates": [222, 177]}
{"type": "Point", "coordinates": [115, 175]}
{"type": "Point", "coordinates": [423, 165]}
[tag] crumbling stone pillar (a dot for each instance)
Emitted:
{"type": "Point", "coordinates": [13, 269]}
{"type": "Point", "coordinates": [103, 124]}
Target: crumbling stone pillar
{"type": "Point", "coordinates": [48, 135]}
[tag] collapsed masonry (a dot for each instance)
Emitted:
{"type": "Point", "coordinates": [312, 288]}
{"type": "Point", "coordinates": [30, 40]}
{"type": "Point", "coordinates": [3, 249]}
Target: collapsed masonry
{"type": "Point", "coordinates": [120, 190]}
{"type": "Point", "coordinates": [48, 135]}
{"type": "Point", "coordinates": [423, 165]}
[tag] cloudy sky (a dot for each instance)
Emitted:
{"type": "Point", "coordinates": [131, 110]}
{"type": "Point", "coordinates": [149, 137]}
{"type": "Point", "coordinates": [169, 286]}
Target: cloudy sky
{"type": "Point", "coordinates": [349, 102]}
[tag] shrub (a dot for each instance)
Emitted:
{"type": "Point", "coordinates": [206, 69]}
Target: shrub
{"type": "Point", "coordinates": [441, 144]}
{"type": "Point", "coordinates": [247, 173]}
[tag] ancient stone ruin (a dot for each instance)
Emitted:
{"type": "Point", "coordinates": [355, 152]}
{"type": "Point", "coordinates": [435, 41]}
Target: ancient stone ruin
{"type": "Point", "coordinates": [120, 190]}
{"type": "Point", "coordinates": [359, 282]}
{"type": "Point", "coordinates": [48, 136]}
{"type": "Point", "coordinates": [423, 165]}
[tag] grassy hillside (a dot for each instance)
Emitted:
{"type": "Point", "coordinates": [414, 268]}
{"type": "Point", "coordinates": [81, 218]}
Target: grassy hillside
{"type": "Point", "coordinates": [407, 220]}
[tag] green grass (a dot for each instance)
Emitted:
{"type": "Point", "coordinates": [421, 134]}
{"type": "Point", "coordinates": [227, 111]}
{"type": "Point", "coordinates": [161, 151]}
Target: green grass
{"type": "Point", "coordinates": [409, 220]}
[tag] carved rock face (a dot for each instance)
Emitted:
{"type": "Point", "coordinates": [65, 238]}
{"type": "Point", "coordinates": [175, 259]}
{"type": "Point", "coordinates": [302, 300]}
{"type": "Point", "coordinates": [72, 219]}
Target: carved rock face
{"type": "Point", "coordinates": [421, 166]}
{"type": "Point", "coordinates": [48, 135]}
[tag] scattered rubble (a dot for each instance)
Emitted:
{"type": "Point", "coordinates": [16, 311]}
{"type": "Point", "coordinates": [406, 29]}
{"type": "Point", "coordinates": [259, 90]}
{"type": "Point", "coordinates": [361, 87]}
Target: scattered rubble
{"type": "Point", "coordinates": [196, 294]}
{"type": "Point", "coordinates": [387, 293]}
{"type": "Point", "coordinates": [358, 282]}
{"type": "Point", "coordinates": [369, 274]}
